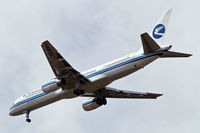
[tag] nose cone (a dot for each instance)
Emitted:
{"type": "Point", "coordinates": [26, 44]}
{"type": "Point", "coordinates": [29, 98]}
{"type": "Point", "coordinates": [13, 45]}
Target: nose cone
{"type": "Point", "coordinates": [14, 111]}
{"type": "Point", "coordinates": [11, 112]}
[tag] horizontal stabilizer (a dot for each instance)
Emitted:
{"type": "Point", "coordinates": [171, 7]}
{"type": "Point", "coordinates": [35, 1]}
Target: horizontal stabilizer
{"type": "Point", "coordinates": [175, 54]}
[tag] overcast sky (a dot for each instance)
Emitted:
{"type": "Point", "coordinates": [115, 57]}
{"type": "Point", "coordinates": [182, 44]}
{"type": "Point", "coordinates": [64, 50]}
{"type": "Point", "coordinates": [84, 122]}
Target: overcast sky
{"type": "Point", "coordinates": [89, 33]}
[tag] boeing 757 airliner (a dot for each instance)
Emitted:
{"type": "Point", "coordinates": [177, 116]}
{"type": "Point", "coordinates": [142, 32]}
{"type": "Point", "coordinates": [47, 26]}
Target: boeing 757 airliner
{"type": "Point", "coordinates": [70, 83]}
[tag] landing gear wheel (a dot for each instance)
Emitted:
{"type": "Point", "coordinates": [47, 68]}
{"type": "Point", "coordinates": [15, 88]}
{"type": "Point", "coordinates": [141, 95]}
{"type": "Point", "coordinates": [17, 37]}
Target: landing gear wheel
{"type": "Point", "coordinates": [63, 81]}
{"type": "Point", "coordinates": [28, 120]}
{"type": "Point", "coordinates": [78, 92]}
{"type": "Point", "coordinates": [27, 116]}
{"type": "Point", "coordinates": [101, 101]}
{"type": "Point", "coordinates": [104, 101]}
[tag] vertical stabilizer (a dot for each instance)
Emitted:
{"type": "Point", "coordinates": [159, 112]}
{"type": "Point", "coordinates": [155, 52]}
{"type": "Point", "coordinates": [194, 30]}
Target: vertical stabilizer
{"type": "Point", "coordinates": [158, 32]}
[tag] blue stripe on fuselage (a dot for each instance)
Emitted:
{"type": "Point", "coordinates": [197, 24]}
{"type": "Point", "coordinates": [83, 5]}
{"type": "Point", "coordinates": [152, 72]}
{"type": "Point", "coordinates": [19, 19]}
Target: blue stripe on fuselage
{"type": "Point", "coordinates": [28, 99]}
{"type": "Point", "coordinates": [124, 63]}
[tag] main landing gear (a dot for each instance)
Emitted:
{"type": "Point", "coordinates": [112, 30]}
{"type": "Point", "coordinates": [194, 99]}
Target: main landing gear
{"type": "Point", "coordinates": [77, 90]}
{"type": "Point", "coordinates": [101, 101]}
{"type": "Point", "coordinates": [27, 116]}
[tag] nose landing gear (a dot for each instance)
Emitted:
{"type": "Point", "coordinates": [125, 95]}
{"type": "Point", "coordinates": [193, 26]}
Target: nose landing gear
{"type": "Point", "coordinates": [27, 116]}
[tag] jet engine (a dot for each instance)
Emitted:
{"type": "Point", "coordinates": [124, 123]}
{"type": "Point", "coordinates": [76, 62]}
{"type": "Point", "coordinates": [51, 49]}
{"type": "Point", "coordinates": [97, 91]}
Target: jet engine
{"type": "Point", "coordinates": [51, 86]}
{"type": "Point", "coordinates": [93, 103]}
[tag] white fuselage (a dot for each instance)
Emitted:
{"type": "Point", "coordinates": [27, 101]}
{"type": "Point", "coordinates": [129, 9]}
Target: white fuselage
{"type": "Point", "coordinates": [100, 77]}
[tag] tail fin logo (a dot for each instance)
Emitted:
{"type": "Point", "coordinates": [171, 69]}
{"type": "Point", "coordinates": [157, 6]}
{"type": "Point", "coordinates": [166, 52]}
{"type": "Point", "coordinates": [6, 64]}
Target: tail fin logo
{"type": "Point", "coordinates": [158, 31]}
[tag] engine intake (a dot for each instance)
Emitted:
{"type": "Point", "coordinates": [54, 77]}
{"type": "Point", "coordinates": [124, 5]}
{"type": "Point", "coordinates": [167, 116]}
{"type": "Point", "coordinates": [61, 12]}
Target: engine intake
{"type": "Point", "coordinates": [94, 103]}
{"type": "Point", "coordinates": [90, 105]}
{"type": "Point", "coordinates": [51, 86]}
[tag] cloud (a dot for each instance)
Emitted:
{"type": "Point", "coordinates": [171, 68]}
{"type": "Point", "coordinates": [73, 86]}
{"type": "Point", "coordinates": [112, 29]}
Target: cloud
{"type": "Point", "coordinates": [83, 31]}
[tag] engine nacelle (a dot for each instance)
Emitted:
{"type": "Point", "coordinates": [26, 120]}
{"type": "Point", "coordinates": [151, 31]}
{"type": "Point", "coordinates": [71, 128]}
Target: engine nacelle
{"type": "Point", "coordinates": [51, 86]}
{"type": "Point", "coordinates": [90, 105]}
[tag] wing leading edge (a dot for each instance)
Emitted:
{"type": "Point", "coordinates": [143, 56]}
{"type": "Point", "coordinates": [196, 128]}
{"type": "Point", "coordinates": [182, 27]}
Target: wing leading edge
{"type": "Point", "coordinates": [61, 68]}
{"type": "Point", "coordinates": [109, 92]}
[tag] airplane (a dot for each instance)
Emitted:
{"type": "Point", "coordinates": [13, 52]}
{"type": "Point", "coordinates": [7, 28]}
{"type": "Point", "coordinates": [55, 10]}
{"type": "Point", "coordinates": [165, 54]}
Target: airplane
{"type": "Point", "coordinates": [70, 83]}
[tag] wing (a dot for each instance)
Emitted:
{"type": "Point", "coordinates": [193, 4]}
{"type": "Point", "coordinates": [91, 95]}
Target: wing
{"type": "Point", "coordinates": [61, 68]}
{"type": "Point", "coordinates": [109, 92]}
